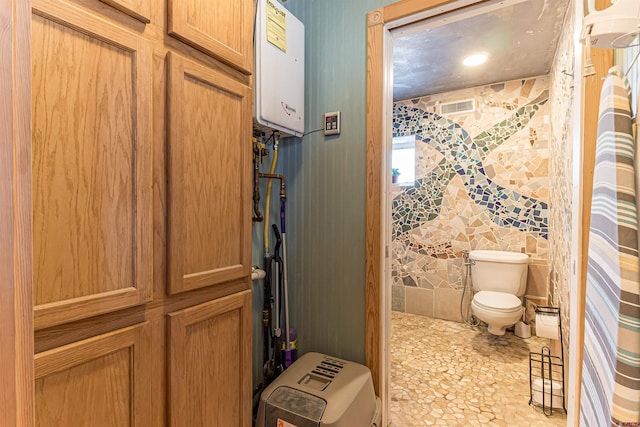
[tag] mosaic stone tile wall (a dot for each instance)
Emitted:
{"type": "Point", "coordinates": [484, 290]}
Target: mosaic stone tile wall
{"type": "Point", "coordinates": [481, 183]}
{"type": "Point", "coordinates": [561, 194]}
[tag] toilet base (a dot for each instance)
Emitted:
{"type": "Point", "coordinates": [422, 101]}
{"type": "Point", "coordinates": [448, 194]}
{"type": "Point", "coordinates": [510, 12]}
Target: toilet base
{"type": "Point", "coordinates": [497, 330]}
{"type": "Point", "coordinates": [498, 321]}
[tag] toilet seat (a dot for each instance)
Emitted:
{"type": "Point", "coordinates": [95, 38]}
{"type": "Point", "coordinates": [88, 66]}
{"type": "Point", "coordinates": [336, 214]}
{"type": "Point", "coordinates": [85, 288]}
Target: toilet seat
{"type": "Point", "coordinates": [497, 301]}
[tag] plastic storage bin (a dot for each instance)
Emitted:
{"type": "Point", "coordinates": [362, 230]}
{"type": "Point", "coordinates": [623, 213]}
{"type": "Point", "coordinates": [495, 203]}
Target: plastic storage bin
{"type": "Point", "coordinates": [320, 391]}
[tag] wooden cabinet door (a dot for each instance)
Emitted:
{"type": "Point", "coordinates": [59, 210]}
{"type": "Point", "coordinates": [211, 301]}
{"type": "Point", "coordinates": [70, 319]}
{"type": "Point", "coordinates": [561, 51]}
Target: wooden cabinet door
{"type": "Point", "coordinates": [130, 197]}
{"type": "Point", "coordinates": [99, 382]}
{"type": "Point", "coordinates": [209, 149]}
{"type": "Point", "coordinates": [92, 219]}
{"type": "Point", "coordinates": [139, 9]}
{"type": "Point", "coordinates": [210, 363]}
{"type": "Point", "coordinates": [221, 28]}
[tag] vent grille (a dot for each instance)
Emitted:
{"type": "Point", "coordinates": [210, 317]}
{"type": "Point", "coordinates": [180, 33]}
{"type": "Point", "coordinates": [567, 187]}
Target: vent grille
{"type": "Point", "coordinates": [329, 368]}
{"type": "Point", "coordinates": [458, 107]}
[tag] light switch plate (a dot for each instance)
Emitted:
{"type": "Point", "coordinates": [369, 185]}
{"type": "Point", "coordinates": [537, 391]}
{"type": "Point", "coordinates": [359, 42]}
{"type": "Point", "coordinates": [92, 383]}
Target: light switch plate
{"type": "Point", "coordinates": [332, 123]}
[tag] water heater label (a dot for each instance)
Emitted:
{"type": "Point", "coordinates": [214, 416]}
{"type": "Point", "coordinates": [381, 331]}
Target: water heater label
{"type": "Point", "coordinates": [276, 26]}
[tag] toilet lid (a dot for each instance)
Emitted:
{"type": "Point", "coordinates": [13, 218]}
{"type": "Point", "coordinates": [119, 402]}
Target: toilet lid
{"type": "Point", "coordinates": [497, 301]}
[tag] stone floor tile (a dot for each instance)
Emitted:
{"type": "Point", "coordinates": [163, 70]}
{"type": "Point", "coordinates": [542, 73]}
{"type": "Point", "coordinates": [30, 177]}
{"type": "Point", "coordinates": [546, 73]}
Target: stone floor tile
{"type": "Point", "coordinates": [449, 374]}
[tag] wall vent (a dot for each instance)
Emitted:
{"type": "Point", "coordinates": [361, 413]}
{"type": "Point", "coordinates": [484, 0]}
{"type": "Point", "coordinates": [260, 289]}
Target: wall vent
{"type": "Point", "coordinates": [458, 107]}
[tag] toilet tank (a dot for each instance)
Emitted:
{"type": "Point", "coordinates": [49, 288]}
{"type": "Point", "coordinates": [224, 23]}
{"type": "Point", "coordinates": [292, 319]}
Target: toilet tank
{"type": "Point", "coordinates": [499, 271]}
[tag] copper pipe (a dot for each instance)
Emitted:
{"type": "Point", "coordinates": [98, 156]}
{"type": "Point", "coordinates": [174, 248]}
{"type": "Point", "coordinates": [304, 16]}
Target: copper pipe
{"type": "Point", "coordinates": [283, 193]}
{"type": "Point", "coordinates": [257, 216]}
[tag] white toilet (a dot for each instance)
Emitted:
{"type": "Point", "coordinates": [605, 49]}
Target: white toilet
{"type": "Point", "coordinates": [499, 279]}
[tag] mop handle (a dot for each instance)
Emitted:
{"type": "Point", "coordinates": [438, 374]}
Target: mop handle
{"type": "Point", "coordinates": [285, 291]}
{"type": "Point", "coordinates": [278, 260]}
{"type": "Point", "coordinates": [283, 202]}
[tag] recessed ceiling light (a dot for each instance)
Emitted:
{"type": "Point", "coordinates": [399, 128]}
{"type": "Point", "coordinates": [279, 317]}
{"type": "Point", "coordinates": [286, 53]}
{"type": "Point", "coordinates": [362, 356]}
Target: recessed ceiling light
{"type": "Point", "coordinates": [474, 60]}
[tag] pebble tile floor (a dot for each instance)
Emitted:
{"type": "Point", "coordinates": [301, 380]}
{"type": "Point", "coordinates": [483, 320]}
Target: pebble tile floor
{"type": "Point", "coordinates": [447, 373]}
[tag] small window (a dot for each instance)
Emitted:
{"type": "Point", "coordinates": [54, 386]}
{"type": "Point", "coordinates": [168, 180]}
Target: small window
{"type": "Point", "coordinates": [403, 158]}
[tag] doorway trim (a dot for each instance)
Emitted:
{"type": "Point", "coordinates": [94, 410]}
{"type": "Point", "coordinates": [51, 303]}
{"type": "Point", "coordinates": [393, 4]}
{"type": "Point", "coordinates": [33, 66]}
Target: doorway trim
{"type": "Point", "coordinates": [380, 22]}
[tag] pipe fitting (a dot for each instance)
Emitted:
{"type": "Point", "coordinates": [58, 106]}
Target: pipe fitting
{"type": "Point", "coordinates": [465, 257]}
{"type": "Point", "coordinates": [257, 274]}
{"type": "Point", "coordinates": [283, 193]}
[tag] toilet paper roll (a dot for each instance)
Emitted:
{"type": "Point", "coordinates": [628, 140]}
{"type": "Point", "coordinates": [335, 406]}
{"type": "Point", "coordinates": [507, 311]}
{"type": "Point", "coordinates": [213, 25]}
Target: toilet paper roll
{"type": "Point", "coordinates": [547, 326]}
{"type": "Point", "coordinates": [552, 393]}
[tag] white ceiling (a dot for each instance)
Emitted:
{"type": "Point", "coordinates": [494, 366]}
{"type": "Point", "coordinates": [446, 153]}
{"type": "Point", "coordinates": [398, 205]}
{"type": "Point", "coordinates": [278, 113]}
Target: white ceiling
{"type": "Point", "coordinates": [520, 37]}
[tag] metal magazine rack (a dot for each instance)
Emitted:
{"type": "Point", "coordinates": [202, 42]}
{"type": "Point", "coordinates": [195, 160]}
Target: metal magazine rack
{"type": "Point", "coordinates": [546, 373]}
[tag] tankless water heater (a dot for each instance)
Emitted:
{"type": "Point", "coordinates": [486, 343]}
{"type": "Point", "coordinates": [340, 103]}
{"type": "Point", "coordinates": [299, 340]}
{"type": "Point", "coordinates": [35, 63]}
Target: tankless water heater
{"type": "Point", "coordinates": [279, 69]}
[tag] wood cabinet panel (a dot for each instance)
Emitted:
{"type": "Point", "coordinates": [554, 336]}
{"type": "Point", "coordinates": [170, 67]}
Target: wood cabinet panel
{"type": "Point", "coordinates": [221, 28]}
{"type": "Point", "coordinates": [16, 326]}
{"type": "Point", "coordinates": [101, 381]}
{"type": "Point", "coordinates": [139, 9]}
{"type": "Point", "coordinates": [210, 363]}
{"type": "Point", "coordinates": [108, 352]}
{"type": "Point", "coordinates": [209, 177]}
{"type": "Point", "coordinates": [92, 236]}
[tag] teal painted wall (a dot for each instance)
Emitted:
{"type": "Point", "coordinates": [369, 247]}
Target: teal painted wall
{"type": "Point", "coordinates": [326, 186]}
{"type": "Point", "coordinates": [326, 230]}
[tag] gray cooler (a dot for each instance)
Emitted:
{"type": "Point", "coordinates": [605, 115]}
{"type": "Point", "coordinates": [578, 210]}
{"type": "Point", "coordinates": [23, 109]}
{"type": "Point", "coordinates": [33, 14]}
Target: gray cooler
{"type": "Point", "coordinates": [319, 390]}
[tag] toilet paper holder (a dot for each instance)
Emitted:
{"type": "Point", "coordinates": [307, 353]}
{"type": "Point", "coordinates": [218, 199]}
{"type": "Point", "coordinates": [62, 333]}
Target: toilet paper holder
{"type": "Point", "coordinates": [546, 372]}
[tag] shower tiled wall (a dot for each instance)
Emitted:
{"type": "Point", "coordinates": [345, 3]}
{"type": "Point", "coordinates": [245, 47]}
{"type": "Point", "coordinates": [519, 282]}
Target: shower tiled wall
{"type": "Point", "coordinates": [481, 183]}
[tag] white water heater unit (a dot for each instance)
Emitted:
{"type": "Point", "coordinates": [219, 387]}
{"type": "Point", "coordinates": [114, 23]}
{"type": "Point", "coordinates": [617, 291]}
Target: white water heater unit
{"type": "Point", "coordinates": [279, 69]}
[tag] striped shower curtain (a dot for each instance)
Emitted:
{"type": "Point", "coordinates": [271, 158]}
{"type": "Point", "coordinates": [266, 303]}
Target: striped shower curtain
{"type": "Point", "coordinates": [611, 366]}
